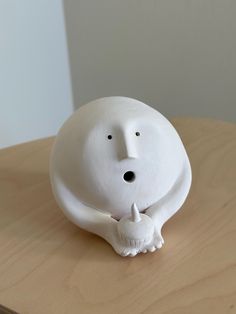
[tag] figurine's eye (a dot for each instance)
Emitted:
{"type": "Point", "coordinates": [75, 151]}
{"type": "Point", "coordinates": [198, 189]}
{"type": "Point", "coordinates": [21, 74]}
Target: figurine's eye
{"type": "Point", "coordinates": [137, 134]}
{"type": "Point", "coordinates": [109, 137]}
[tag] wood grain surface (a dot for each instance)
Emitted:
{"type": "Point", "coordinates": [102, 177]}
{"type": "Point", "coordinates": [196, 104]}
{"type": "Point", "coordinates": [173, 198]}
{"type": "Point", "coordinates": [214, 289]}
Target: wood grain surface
{"type": "Point", "coordinates": [48, 265]}
{"type": "Point", "coordinates": [5, 310]}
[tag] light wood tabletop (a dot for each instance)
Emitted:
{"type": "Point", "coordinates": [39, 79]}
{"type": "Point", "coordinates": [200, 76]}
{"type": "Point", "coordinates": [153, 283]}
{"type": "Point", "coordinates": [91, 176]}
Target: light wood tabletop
{"type": "Point", "coordinates": [48, 265]}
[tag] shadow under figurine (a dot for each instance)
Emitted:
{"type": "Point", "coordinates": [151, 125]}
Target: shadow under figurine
{"type": "Point", "coordinates": [119, 169]}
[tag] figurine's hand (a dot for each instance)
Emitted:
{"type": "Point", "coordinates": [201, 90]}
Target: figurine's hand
{"type": "Point", "coordinates": [134, 234]}
{"type": "Point", "coordinates": [156, 243]}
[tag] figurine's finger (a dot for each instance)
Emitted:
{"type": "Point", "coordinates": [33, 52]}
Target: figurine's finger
{"type": "Point", "coordinates": [132, 254]}
{"type": "Point", "coordinates": [151, 248]}
{"type": "Point", "coordinates": [124, 253]}
{"type": "Point", "coordinates": [159, 237]}
{"type": "Point", "coordinates": [158, 245]}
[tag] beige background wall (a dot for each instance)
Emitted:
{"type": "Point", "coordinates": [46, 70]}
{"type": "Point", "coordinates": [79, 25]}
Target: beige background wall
{"type": "Point", "coordinates": [177, 55]}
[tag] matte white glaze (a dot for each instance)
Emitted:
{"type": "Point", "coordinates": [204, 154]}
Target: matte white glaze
{"type": "Point", "coordinates": [112, 153]}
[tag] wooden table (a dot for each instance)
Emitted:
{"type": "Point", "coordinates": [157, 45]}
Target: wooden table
{"type": "Point", "coordinates": [48, 265]}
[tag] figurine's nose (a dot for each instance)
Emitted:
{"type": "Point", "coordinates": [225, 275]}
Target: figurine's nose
{"type": "Point", "coordinates": [128, 149]}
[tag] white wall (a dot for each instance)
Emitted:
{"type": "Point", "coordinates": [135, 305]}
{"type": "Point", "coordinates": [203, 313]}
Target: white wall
{"type": "Point", "coordinates": [35, 92]}
{"type": "Point", "coordinates": [178, 55]}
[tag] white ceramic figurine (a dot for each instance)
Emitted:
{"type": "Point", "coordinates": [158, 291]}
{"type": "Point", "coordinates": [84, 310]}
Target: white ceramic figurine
{"type": "Point", "coordinates": [119, 169]}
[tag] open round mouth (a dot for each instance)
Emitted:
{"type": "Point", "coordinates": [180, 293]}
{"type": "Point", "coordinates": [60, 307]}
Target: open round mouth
{"type": "Point", "coordinates": [129, 176]}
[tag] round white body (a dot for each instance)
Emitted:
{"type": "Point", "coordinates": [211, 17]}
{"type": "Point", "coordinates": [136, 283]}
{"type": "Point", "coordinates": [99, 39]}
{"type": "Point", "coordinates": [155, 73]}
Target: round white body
{"type": "Point", "coordinates": [113, 152]}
